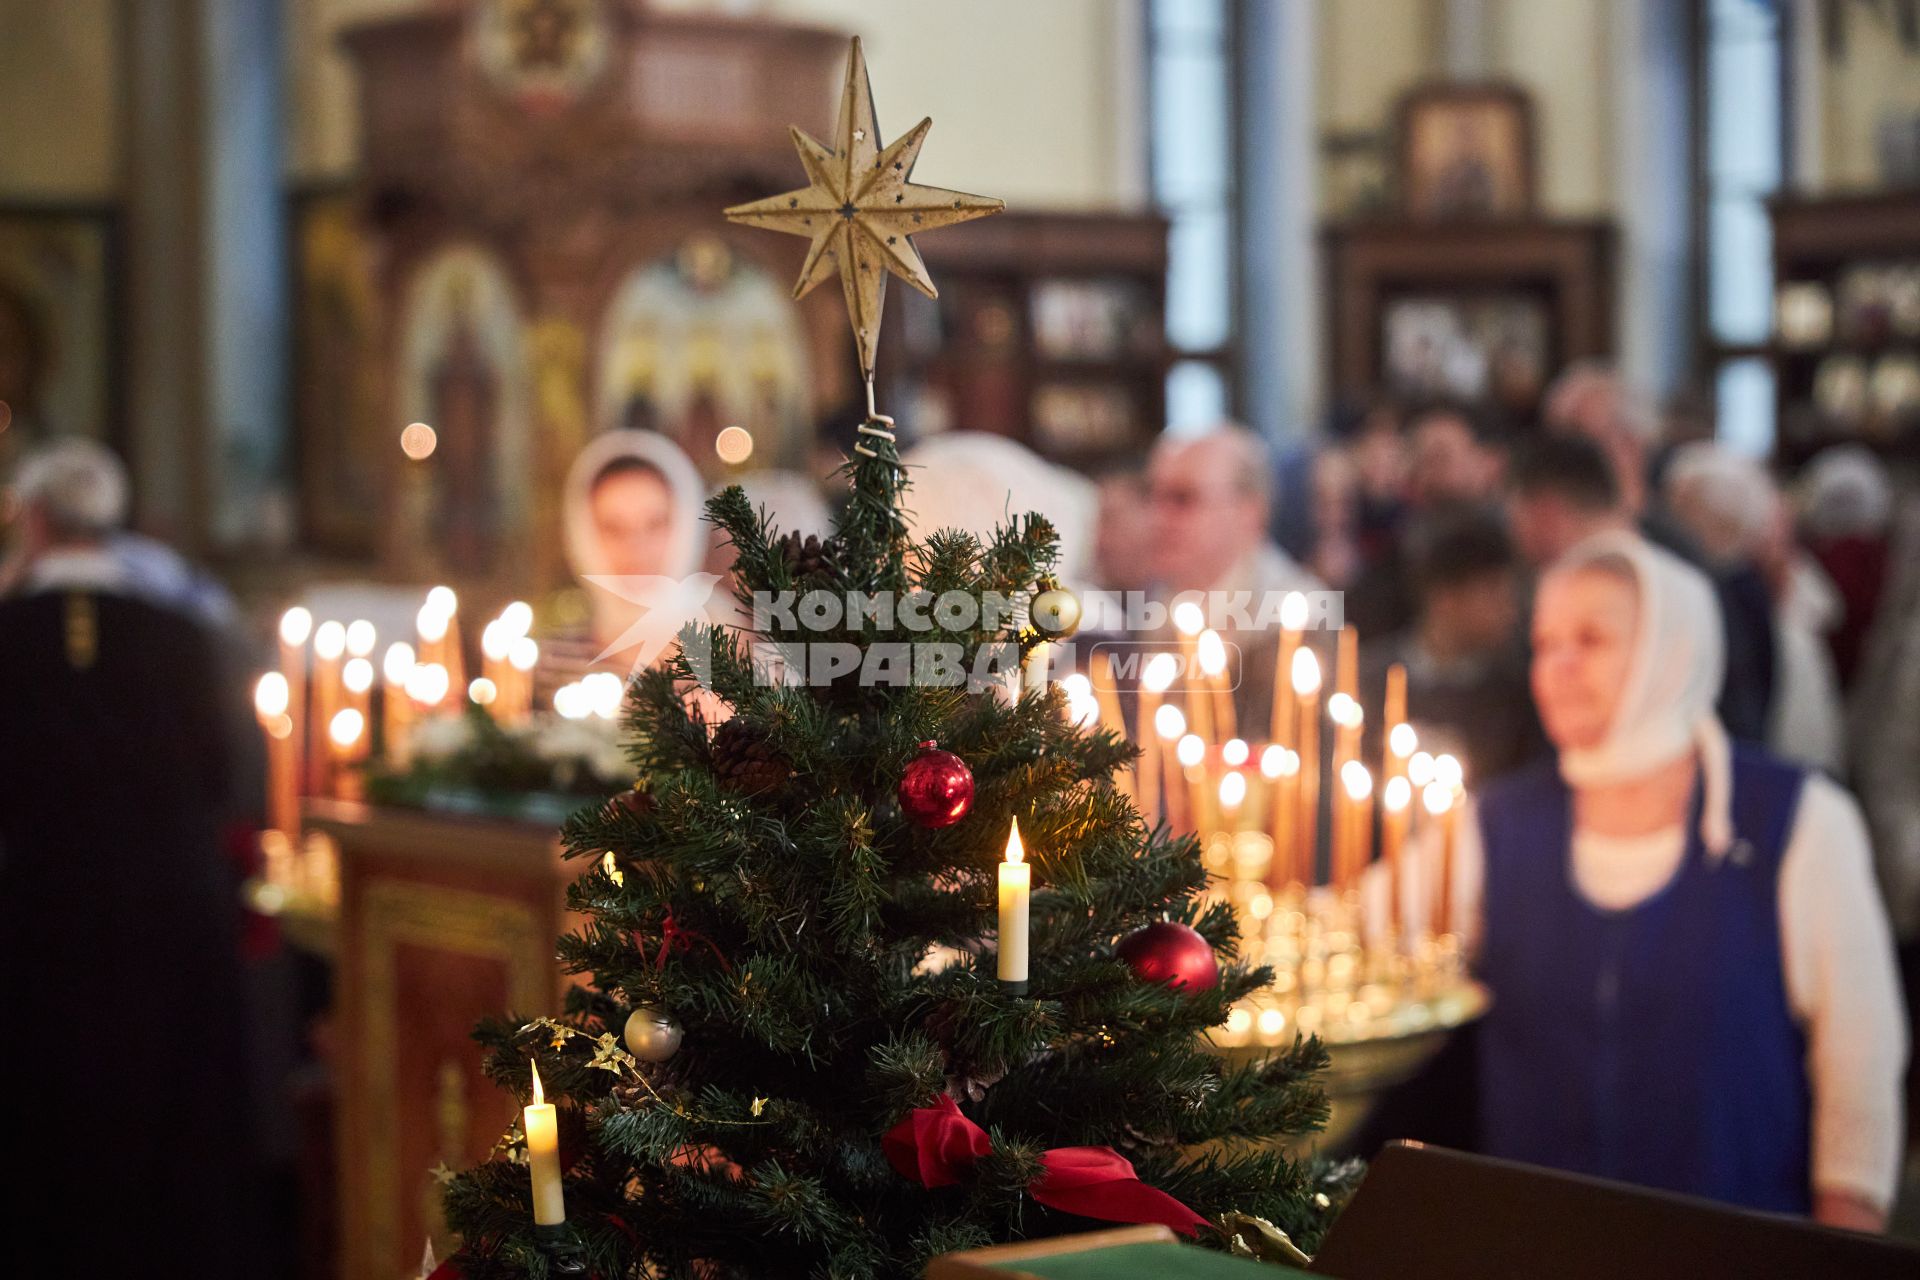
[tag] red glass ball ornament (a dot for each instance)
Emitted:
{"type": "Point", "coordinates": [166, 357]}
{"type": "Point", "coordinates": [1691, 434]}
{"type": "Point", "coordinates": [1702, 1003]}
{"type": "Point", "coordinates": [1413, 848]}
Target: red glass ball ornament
{"type": "Point", "coordinates": [936, 788]}
{"type": "Point", "coordinates": [1171, 953]}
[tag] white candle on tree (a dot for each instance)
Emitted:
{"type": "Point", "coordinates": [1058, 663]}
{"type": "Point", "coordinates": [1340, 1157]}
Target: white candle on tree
{"type": "Point", "coordinates": [1016, 893]}
{"type": "Point", "coordinates": [542, 1124]}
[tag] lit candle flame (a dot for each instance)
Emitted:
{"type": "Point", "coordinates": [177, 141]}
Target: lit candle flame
{"type": "Point", "coordinates": [1403, 741]}
{"type": "Point", "coordinates": [1356, 779]}
{"type": "Point", "coordinates": [330, 640]}
{"type": "Point", "coordinates": [1235, 752]}
{"type": "Point", "coordinates": [482, 691]}
{"type": "Point", "coordinates": [1278, 762]}
{"type": "Point", "coordinates": [1016, 852]}
{"type": "Point", "coordinates": [494, 641]}
{"type": "Point", "coordinates": [431, 623]}
{"type": "Point", "coordinates": [1437, 798]}
{"type": "Point", "coordinates": [1233, 789]}
{"type": "Point", "coordinates": [442, 601]}
{"type": "Point", "coordinates": [1212, 653]}
{"type": "Point", "coordinates": [523, 653]}
{"type": "Point", "coordinates": [1306, 673]}
{"type": "Point", "coordinates": [361, 637]}
{"type": "Point", "coordinates": [399, 663]}
{"type": "Point", "coordinates": [1160, 670]}
{"type": "Point", "coordinates": [427, 684]}
{"type": "Point", "coordinates": [357, 675]}
{"type": "Point", "coordinates": [1189, 617]}
{"type": "Point", "coordinates": [1420, 768]}
{"type": "Point", "coordinates": [1190, 751]}
{"type": "Point", "coordinates": [1344, 710]}
{"type": "Point", "coordinates": [1397, 795]}
{"type": "Point", "coordinates": [1448, 773]}
{"type": "Point", "coordinates": [539, 1093]}
{"type": "Point", "coordinates": [270, 696]}
{"type": "Point", "coordinates": [517, 619]}
{"type": "Point", "coordinates": [1168, 722]}
{"type": "Point", "coordinates": [296, 624]}
{"type": "Point", "coordinates": [346, 727]}
{"type": "Point", "coordinates": [1293, 611]}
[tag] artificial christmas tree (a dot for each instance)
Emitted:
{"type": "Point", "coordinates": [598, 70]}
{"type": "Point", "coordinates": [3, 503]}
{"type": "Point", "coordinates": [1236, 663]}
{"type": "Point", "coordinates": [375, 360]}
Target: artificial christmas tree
{"type": "Point", "coordinates": [835, 1083]}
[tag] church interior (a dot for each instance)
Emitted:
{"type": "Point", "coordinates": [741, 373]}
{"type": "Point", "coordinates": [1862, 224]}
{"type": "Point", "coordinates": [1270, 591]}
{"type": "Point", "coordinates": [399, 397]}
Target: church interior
{"type": "Point", "coordinates": [1285, 637]}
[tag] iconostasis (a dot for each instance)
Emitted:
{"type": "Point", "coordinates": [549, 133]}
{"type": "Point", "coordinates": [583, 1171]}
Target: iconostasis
{"type": "Point", "coordinates": [528, 256]}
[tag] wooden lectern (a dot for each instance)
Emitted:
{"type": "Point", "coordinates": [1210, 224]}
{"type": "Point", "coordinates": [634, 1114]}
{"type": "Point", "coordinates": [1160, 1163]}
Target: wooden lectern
{"type": "Point", "coordinates": [444, 920]}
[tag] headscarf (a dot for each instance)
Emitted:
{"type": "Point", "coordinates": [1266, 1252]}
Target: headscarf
{"type": "Point", "coordinates": [973, 481]}
{"type": "Point", "coordinates": [1673, 679]}
{"type": "Point", "coordinates": [686, 549]}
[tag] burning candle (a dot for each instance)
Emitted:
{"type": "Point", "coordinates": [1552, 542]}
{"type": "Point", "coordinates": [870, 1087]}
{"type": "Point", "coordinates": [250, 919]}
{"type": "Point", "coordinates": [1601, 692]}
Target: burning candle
{"type": "Point", "coordinates": [396, 707]}
{"type": "Point", "coordinates": [1188, 620]}
{"type": "Point", "coordinates": [1281, 767]}
{"type": "Point", "coordinates": [1438, 799]}
{"type": "Point", "coordinates": [296, 626]}
{"type": "Point", "coordinates": [329, 646]}
{"type": "Point", "coordinates": [1350, 857]}
{"type": "Point", "coordinates": [427, 684]}
{"type": "Point", "coordinates": [1154, 679]}
{"type": "Point", "coordinates": [1169, 726]}
{"type": "Point", "coordinates": [542, 1123]}
{"type": "Point", "coordinates": [1396, 802]}
{"type": "Point", "coordinates": [1211, 652]}
{"type": "Point", "coordinates": [1293, 620]}
{"type": "Point", "coordinates": [494, 643]}
{"type": "Point", "coordinates": [1016, 892]}
{"type": "Point", "coordinates": [271, 703]}
{"type": "Point", "coordinates": [344, 734]}
{"type": "Point", "coordinates": [1190, 752]}
{"type": "Point", "coordinates": [438, 624]}
{"type": "Point", "coordinates": [1393, 719]}
{"type": "Point", "coordinates": [522, 656]}
{"type": "Point", "coordinates": [356, 678]}
{"type": "Point", "coordinates": [1233, 793]}
{"type": "Point", "coordinates": [1306, 821]}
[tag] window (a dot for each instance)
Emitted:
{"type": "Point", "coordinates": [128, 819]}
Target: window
{"type": "Point", "coordinates": [1191, 147]}
{"type": "Point", "coordinates": [1744, 152]}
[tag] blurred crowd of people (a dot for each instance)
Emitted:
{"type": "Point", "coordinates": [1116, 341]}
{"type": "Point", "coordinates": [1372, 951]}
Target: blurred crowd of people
{"type": "Point", "coordinates": [1434, 525]}
{"type": "Point", "coordinates": [1633, 622]}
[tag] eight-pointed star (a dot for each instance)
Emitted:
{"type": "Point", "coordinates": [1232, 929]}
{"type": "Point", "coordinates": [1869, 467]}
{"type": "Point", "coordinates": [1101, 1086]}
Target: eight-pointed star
{"type": "Point", "coordinates": [859, 209]}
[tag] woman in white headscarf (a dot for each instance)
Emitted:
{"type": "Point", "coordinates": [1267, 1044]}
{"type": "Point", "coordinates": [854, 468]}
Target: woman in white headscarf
{"type": "Point", "coordinates": [633, 507]}
{"type": "Point", "coordinates": [1693, 985]}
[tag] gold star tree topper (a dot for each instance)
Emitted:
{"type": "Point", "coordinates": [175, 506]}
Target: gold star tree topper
{"type": "Point", "coordinates": [860, 210]}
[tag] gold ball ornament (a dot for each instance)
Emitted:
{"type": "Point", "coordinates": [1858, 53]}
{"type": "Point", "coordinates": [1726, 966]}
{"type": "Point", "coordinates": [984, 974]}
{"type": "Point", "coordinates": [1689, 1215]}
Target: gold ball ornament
{"type": "Point", "coordinates": [1056, 612]}
{"type": "Point", "coordinates": [651, 1035]}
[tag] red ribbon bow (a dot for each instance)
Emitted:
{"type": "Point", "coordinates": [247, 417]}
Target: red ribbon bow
{"type": "Point", "coordinates": [675, 937]}
{"type": "Point", "coordinates": [934, 1145]}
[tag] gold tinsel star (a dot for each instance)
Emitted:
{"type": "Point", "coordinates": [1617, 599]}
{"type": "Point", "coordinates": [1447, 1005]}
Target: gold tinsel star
{"type": "Point", "coordinates": [859, 209]}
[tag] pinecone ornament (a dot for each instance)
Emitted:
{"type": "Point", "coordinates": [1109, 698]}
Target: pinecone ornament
{"type": "Point", "coordinates": [745, 759]}
{"type": "Point", "coordinates": [806, 557]}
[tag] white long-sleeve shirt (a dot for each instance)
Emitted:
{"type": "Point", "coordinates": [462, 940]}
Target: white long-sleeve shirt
{"type": "Point", "coordinates": [1837, 957]}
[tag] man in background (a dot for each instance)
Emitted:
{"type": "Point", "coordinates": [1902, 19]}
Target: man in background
{"type": "Point", "coordinates": [119, 969]}
{"type": "Point", "coordinates": [1466, 679]}
{"type": "Point", "coordinates": [1209, 505]}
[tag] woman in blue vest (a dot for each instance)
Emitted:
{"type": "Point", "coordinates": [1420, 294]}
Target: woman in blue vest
{"type": "Point", "coordinates": [1693, 982]}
